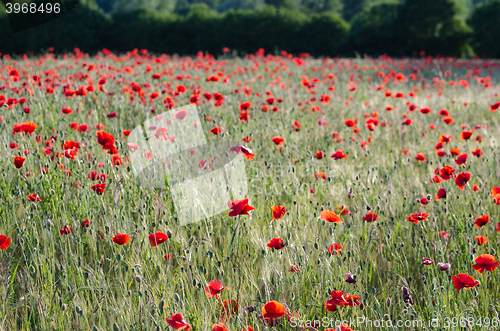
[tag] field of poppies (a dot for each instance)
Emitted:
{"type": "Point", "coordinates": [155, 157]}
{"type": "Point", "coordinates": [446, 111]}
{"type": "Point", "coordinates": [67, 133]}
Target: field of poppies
{"type": "Point", "coordinates": [373, 193]}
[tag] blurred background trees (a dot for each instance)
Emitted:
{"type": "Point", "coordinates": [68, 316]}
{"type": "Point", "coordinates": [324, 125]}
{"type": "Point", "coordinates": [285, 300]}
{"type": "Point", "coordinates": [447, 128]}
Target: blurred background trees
{"type": "Point", "coordinates": [318, 27]}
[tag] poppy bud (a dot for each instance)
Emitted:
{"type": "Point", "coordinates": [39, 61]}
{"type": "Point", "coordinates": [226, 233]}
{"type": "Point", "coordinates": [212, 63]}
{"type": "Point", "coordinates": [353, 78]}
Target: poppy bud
{"type": "Point", "coordinates": [251, 309]}
{"type": "Point", "coordinates": [169, 234]}
{"type": "Point", "coordinates": [388, 302]}
{"type": "Point", "coordinates": [368, 208]}
{"type": "Point", "coordinates": [406, 296]}
{"type": "Point", "coordinates": [429, 197]}
{"type": "Point", "coordinates": [64, 306]}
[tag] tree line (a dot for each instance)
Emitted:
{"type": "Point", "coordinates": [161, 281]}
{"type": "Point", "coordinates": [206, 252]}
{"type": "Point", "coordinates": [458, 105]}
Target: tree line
{"type": "Point", "coordinates": [374, 27]}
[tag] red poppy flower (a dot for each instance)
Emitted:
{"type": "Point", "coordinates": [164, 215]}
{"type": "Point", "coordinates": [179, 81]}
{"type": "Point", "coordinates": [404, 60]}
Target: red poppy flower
{"type": "Point", "coordinates": [444, 138]}
{"type": "Point", "coordinates": [319, 155]}
{"type": "Point", "coordinates": [116, 160]}
{"type": "Point", "coordinates": [485, 262]}
{"type": "Point", "coordinates": [65, 230]}
{"type": "Point", "coordinates": [455, 151]}
{"type": "Point", "coordinates": [337, 248]}
{"type": "Point", "coordinates": [278, 140]}
{"type": "Point", "coordinates": [444, 266]}
{"type": "Point", "coordinates": [477, 152]}
{"type": "Point", "coordinates": [28, 127]}
{"type": "Point", "coordinates": [350, 123]}
{"type": "Point", "coordinates": [296, 126]}
{"type": "Point", "coordinates": [425, 110]}
{"type": "Point", "coordinates": [157, 238]}
{"type": "Point", "coordinates": [465, 135]}
{"type": "Point", "coordinates": [339, 155]}
{"type": "Point", "coordinates": [462, 180]}
{"type": "Point", "coordinates": [70, 154]}
{"type": "Point", "coordinates": [464, 281]}
{"type": "Point", "coordinates": [106, 140]}
{"type": "Point", "coordinates": [213, 288]}
{"type": "Point", "coordinates": [276, 243]}
{"type": "Point", "coordinates": [19, 161]}
{"type": "Point", "coordinates": [245, 105]}
{"type": "Point", "coordinates": [329, 216]}
{"type": "Point", "coordinates": [416, 218]}
{"type": "Point", "coordinates": [423, 201]}
{"type": "Point", "coordinates": [482, 221]}
{"type": "Point", "coordinates": [342, 210]}
{"type": "Point", "coordinates": [278, 212]}
{"type": "Point", "coordinates": [66, 110]}
{"type": "Point", "coordinates": [337, 299]}
{"type": "Point", "coordinates": [420, 157]}
{"type": "Point", "coordinates": [83, 128]}
{"type": "Point", "coordinates": [446, 172]}
{"type": "Point", "coordinates": [229, 307]}
{"type": "Point", "coordinates": [216, 130]}
{"type": "Point", "coordinates": [441, 194]}
{"type": "Point", "coordinates": [239, 207]}
{"type": "Point", "coordinates": [352, 300]}
{"type": "Point", "coordinates": [370, 217]}
{"type": "Point", "coordinates": [495, 194]}
{"type": "Point", "coordinates": [443, 112]}
{"type": "Point", "coordinates": [427, 261]}
{"type": "Point", "coordinates": [34, 197]}
{"type": "Point", "coordinates": [495, 106]}
{"type": "Point", "coordinates": [325, 99]}
{"type": "Point", "coordinates": [4, 241]}
{"type": "Point", "coordinates": [178, 323]}
{"type": "Point", "coordinates": [98, 188]}
{"type": "Point", "coordinates": [248, 153]}
{"type": "Point", "coordinates": [408, 121]}
{"type": "Point", "coordinates": [481, 240]}
{"type": "Point", "coordinates": [86, 223]}
{"type": "Point", "coordinates": [320, 174]}
{"type": "Point", "coordinates": [273, 310]}
{"type": "Point", "coordinates": [219, 327]}
{"type": "Point", "coordinates": [448, 120]}
{"type": "Point", "coordinates": [462, 159]}
{"type": "Point", "coordinates": [121, 238]}
{"type": "Point", "coordinates": [181, 114]}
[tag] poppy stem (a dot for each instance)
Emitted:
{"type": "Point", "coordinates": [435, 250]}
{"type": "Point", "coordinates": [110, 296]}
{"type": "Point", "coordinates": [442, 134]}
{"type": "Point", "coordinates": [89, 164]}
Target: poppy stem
{"type": "Point", "coordinates": [232, 239]}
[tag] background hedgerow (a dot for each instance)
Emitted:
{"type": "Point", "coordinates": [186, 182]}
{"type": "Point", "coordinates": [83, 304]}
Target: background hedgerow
{"type": "Point", "coordinates": [459, 28]}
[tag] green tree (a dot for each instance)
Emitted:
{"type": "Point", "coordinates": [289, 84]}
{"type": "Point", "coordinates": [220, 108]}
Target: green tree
{"type": "Point", "coordinates": [290, 4]}
{"type": "Point", "coordinates": [375, 31]}
{"type": "Point", "coordinates": [433, 26]}
{"type": "Point", "coordinates": [152, 5]}
{"type": "Point", "coordinates": [321, 6]}
{"type": "Point", "coordinates": [486, 34]}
